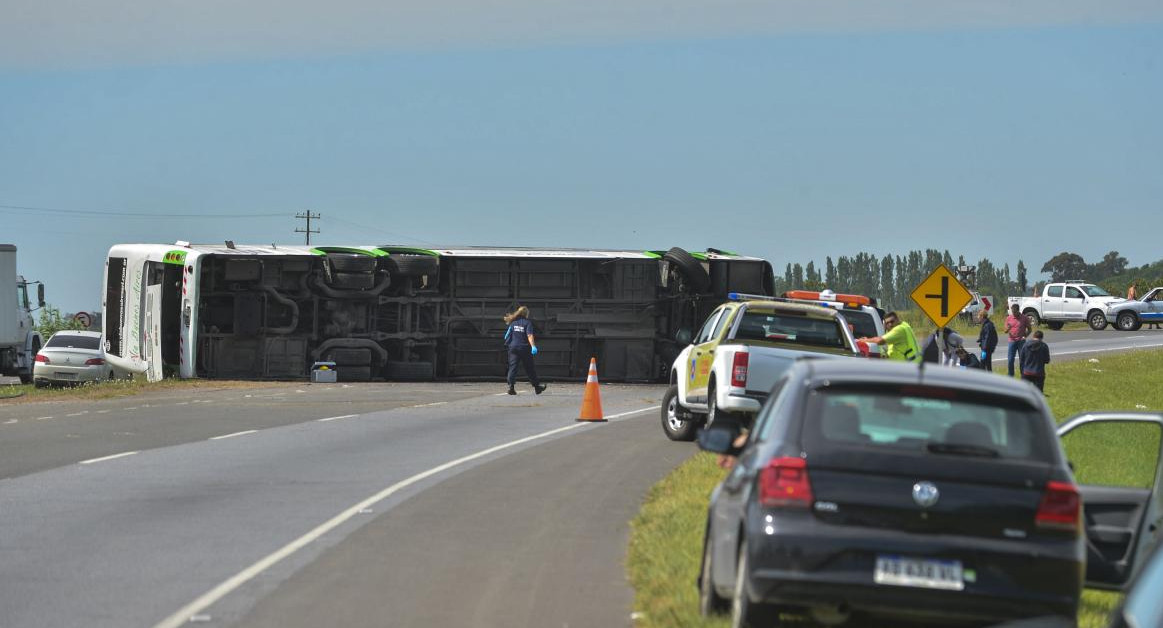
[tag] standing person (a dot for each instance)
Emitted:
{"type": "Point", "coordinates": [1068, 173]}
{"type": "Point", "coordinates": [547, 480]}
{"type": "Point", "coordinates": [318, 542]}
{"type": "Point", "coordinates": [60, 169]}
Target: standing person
{"type": "Point", "coordinates": [1035, 355]}
{"type": "Point", "coordinates": [1133, 291]}
{"type": "Point", "coordinates": [899, 340]}
{"type": "Point", "coordinates": [1017, 328]}
{"type": "Point", "coordinates": [522, 344]}
{"type": "Point", "coordinates": [987, 340]}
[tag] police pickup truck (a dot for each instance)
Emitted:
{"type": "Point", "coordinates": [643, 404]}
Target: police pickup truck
{"type": "Point", "coordinates": [730, 365]}
{"type": "Point", "coordinates": [1067, 301]}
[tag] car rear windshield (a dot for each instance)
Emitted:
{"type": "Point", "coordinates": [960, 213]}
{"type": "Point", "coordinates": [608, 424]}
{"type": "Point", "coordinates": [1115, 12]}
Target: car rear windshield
{"type": "Point", "coordinates": [791, 327]}
{"type": "Point", "coordinates": [940, 421]}
{"type": "Point", "coordinates": [863, 325]}
{"type": "Point", "coordinates": [74, 341]}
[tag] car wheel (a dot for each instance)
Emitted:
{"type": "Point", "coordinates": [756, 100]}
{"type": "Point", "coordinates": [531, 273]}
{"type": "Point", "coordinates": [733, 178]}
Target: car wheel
{"type": "Point", "coordinates": [675, 428]}
{"type": "Point", "coordinates": [1127, 321]}
{"type": "Point", "coordinates": [710, 602]}
{"type": "Point", "coordinates": [1032, 314]}
{"type": "Point", "coordinates": [744, 612]}
{"type": "Point", "coordinates": [1055, 325]}
{"type": "Point", "coordinates": [696, 275]}
{"type": "Point", "coordinates": [1097, 320]}
{"type": "Point", "coordinates": [40, 383]}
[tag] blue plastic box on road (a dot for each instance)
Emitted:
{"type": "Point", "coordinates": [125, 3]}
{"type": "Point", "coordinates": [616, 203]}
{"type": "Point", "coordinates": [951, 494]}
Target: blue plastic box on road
{"type": "Point", "coordinates": [323, 373]}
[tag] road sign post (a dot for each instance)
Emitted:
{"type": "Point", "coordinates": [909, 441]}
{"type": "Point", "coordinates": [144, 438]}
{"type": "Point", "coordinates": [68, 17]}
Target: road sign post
{"type": "Point", "coordinates": [941, 296]}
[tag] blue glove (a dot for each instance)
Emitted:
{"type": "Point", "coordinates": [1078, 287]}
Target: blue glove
{"type": "Point", "coordinates": [534, 350]}
{"type": "Point", "coordinates": [983, 354]}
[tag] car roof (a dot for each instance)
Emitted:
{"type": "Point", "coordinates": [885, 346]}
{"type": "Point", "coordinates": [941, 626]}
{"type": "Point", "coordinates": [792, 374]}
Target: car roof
{"type": "Point", "coordinates": [896, 372]}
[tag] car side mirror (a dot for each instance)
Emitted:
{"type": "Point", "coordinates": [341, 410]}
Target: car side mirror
{"type": "Point", "coordinates": [684, 336]}
{"type": "Point", "coordinates": [40, 294]}
{"type": "Point", "coordinates": [719, 439]}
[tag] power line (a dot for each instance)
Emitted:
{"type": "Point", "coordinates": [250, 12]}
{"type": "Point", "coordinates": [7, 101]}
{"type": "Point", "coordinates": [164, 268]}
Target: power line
{"type": "Point", "coordinates": [92, 212]}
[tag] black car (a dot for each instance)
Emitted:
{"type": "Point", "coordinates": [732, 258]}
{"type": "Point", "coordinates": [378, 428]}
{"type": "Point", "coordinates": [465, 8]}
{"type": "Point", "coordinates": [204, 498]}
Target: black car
{"type": "Point", "coordinates": [881, 489]}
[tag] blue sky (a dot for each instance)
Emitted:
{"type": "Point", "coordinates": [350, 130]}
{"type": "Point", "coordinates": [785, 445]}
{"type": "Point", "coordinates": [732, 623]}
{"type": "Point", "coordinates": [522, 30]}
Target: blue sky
{"type": "Point", "coordinates": [792, 135]}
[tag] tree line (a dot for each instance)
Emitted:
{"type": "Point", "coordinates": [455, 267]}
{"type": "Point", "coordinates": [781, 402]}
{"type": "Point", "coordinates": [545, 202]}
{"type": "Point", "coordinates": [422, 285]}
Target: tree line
{"type": "Point", "coordinates": [892, 278]}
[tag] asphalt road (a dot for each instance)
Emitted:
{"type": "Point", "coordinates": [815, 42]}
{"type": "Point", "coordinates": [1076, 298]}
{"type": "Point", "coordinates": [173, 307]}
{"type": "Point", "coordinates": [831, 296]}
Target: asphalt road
{"type": "Point", "coordinates": [445, 504]}
{"type": "Point", "coordinates": [462, 507]}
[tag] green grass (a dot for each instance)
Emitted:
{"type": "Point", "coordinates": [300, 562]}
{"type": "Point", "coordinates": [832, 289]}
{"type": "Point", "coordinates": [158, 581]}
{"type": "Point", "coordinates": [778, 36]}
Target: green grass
{"type": "Point", "coordinates": [27, 393]}
{"type": "Point", "coordinates": [667, 535]}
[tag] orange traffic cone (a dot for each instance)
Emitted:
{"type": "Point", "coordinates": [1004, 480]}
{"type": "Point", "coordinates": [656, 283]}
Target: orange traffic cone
{"type": "Point", "coordinates": [591, 409]}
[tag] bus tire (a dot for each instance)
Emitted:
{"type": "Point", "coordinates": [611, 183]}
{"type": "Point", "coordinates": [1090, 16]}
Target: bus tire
{"type": "Point", "coordinates": [403, 265]}
{"type": "Point", "coordinates": [352, 263]}
{"type": "Point", "coordinates": [696, 276]}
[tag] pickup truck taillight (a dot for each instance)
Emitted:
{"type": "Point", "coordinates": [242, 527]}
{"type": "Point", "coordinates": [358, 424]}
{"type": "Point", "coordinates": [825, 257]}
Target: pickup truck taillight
{"type": "Point", "coordinates": [784, 482]}
{"type": "Point", "coordinates": [739, 369]}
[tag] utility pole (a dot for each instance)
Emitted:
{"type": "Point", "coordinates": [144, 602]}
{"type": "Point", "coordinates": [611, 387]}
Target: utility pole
{"type": "Point", "coordinates": [308, 216]}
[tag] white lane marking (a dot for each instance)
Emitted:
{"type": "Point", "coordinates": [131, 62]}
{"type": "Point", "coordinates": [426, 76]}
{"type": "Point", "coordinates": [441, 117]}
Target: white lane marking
{"type": "Point", "coordinates": [131, 408]}
{"type": "Point", "coordinates": [78, 413]}
{"type": "Point", "coordinates": [638, 411]}
{"type": "Point", "coordinates": [233, 435]}
{"type": "Point", "coordinates": [43, 418]}
{"type": "Point", "coordinates": [192, 609]}
{"type": "Point", "coordinates": [11, 421]}
{"type": "Point", "coordinates": [500, 394]}
{"type": "Point", "coordinates": [1157, 344]}
{"type": "Point", "coordinates": [182, 403]}
{"type": "Point", "coordinates": [102, 411]}
{"type": "Point", "coordinates": [113, 457]}
{"type": "Point", "coordinates": [336, 418]}
{"type": "Point", "coordinates": [429, 405]}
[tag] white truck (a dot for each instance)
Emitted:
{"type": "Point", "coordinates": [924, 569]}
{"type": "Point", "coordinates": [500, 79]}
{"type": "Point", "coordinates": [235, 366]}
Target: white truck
{"type": "Point", "coordinates": [19, 339]}
{"type": "Point", "coordinates": [727, 369]}
{"type": "Point", "coordinates": [1067, 301]}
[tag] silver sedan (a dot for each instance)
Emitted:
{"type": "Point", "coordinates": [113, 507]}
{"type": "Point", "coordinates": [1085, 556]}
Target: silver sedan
{"type": "Point", "coordinates": [71, 357]}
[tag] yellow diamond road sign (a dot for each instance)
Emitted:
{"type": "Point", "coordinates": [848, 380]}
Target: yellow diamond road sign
{"type": "Point", "coordinates": [941, 296]}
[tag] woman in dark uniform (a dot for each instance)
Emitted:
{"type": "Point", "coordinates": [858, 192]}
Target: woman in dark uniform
{"type": "Point", "coordinates": [522, 345]}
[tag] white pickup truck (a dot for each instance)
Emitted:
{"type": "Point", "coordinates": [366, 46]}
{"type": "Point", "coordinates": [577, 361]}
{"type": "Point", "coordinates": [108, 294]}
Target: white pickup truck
{"type": "Point", "coordinates": [729, 367]}
{"type": "Point", "coordinates": [1068, 301]}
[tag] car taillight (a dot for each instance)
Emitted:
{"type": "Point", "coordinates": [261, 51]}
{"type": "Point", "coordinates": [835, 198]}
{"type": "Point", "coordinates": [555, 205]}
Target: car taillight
{"type": "Point", "coordinates": [43, 359]}
{"type": "Point", "coordinates": [784, 482]}
{"type": "Point", "coordinates": [94, 362]}
{"type": "Point", "coordinates": [739, 370]}
{"type": "Point", "coordinates": [1060, 507]}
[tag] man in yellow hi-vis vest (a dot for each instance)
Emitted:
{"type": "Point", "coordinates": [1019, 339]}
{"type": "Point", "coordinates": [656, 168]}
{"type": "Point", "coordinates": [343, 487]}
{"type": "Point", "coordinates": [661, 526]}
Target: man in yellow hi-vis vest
{"type": "Point", "coordinates": [899, 340]}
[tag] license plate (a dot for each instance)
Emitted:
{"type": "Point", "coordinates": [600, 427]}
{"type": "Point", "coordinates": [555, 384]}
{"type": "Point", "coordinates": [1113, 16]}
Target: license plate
{"type": "Point", "coordinates": [919, 572]}
{"type": "Point", "coordinates": [63, 375]}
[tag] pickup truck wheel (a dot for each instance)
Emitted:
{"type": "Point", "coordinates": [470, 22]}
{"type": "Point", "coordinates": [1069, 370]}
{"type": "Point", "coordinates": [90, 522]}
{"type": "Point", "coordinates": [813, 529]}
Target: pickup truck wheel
{"type": "Point", "coordinates": [1097, 320]}
{"type": "Point", "coordinates": [676, 428]}
{"type": "Point", "coordinates": [1127, 321]}
{"type": "Point", "coordinates": [715, 414]}
{"type": "Point", "coordinates": [1032, 314]}
{"type": "Point", "coordinates": [1055, 325]}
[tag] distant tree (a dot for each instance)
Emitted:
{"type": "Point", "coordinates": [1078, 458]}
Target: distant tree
{"type": "Point", "coordinates": [1065, 266]}
{"type": "Point", "coordinates": [1023, 282]}
{"type": "Point", "coordinates": [788, 277]}
{"type": "Point", "coordinates": [52, 321]}
{"type": "Point", "coordinates": [1112, 264]}
{"type": "Point", "coordinates": [829, 272]}
{"type": "Point", "coordinates": [887, 289]}
{"type": "Point", "coordinates": [811, 275]}
{"type": "Point", "coordinates": [797, 275]}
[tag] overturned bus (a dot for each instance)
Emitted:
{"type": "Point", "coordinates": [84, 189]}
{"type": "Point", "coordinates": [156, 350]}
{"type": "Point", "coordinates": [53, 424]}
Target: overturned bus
{"type": "Point", "coordinates": [402, 313]}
